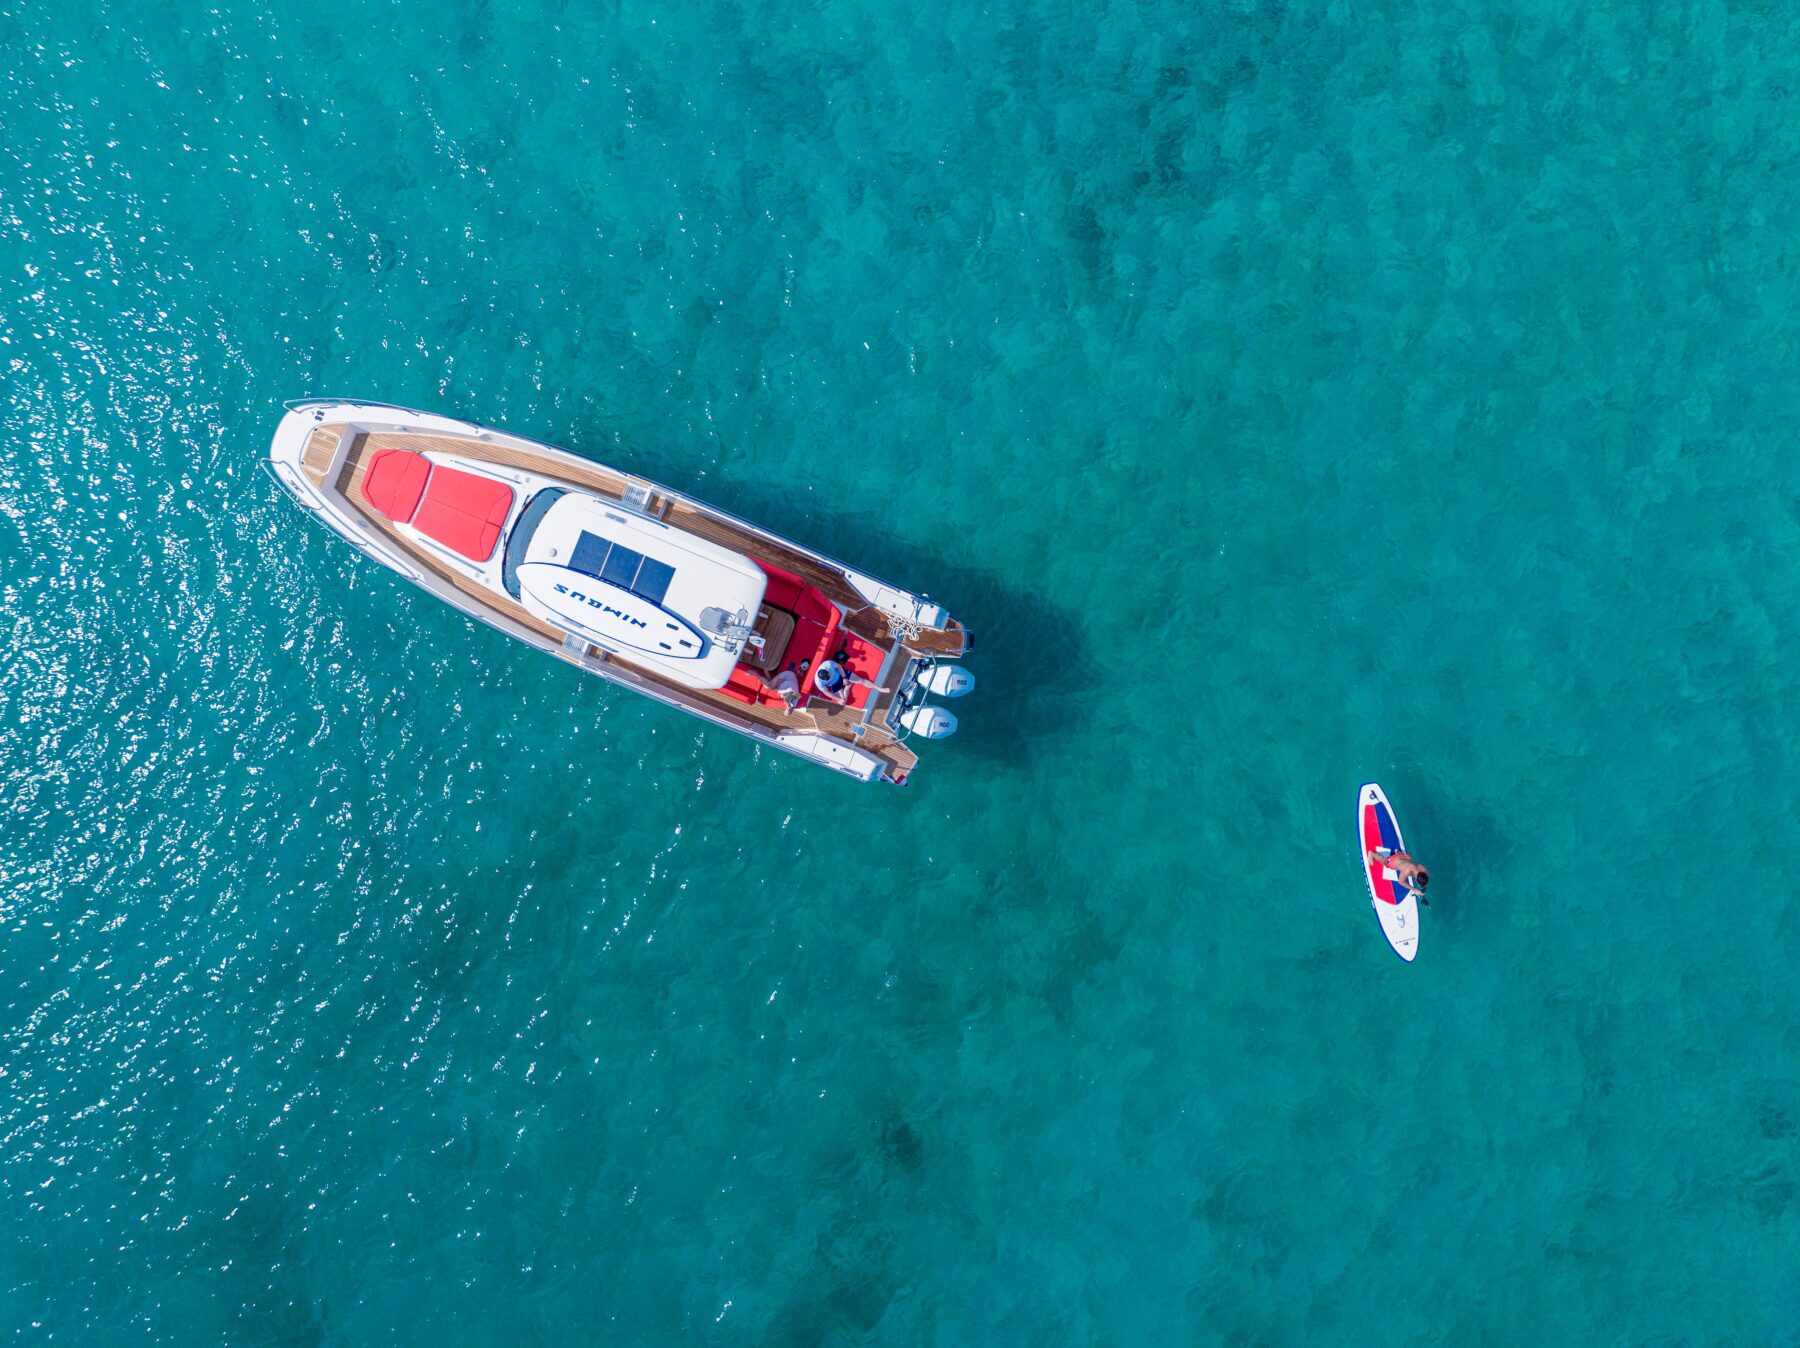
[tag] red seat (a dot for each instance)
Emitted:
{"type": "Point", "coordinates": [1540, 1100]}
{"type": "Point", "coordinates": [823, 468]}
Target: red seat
{"type": "Point", "coordinates": [817, 623]}
{"type": "Point", "coordinates": [784, 586]}
{"type": "Point", "coordinates": [395, 481]}
{"type": "Point", "coordinates": [464, 512]}
{"type": "Point", "coordinates": [819, 620]}
{"type": "Point", "coordinates": [743, 685]}
{"type": "Point", "coordinates": [863, 659]}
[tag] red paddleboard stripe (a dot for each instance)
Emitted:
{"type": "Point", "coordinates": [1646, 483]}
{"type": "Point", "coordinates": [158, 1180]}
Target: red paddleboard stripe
{"type": "Point", "coordinates": [1374, 835]}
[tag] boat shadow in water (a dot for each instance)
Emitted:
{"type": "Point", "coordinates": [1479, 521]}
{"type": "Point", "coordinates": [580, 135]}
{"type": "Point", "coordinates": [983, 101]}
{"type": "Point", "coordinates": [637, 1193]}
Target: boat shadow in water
{"type": "Point", "coordinates": [1034, 681]}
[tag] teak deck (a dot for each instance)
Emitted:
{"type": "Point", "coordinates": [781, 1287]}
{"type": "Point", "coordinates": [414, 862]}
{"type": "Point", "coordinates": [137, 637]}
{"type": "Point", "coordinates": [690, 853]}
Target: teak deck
{"type": "Point", "coordinates": [818, 714]}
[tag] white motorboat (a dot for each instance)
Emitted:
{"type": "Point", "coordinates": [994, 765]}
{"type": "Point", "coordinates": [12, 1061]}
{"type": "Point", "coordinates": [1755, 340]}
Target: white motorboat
{"type": "Point", "coordinates": [636, 583]}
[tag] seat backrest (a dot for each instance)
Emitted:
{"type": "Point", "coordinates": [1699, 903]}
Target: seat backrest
{"type": "Point", "coordinates": [395, 481]}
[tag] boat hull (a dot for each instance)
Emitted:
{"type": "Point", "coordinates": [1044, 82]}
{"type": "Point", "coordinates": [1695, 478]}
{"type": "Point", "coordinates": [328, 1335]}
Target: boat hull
{"type": "Point", "coordinates": [320, 453]}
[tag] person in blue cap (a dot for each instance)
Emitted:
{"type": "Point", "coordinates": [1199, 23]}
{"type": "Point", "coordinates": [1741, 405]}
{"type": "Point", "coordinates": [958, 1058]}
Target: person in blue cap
{"type": "Point", "coordinates": [832, 680]}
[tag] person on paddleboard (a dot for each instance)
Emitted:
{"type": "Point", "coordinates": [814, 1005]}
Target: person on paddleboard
{"type": "Point", "coordinates": [1407, 871]}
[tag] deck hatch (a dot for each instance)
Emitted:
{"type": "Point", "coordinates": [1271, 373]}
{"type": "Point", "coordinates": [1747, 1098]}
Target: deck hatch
{"type": "Point", "coordinates": [653, 579]}
{"type": "Point", "coordinates": [595, 555]}
{"type": "Point", "coordinates": [621, 566]}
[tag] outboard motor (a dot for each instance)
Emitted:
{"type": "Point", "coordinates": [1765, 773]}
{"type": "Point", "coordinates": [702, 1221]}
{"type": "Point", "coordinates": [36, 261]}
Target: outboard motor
{"type": "Point", "coordinates": [932, 723]}
{"type": "Point", "coordinates": [948, 681]}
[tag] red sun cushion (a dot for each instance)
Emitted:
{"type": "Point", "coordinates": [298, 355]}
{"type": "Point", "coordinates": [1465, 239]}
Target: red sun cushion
{"type": "Point", "coordinates": [395, 482]}
{"type": "Point", "coordinates": [464, 512]}
{"type": "Point", "coordinates": [784, 586]}
{"type": "Point", "coordinates": [745, 687]}
{"type": "Point", "coordinates": [863, 659]}
{"type": "Point", "coordinates": [817, 628]}
{"type": "Point", "coordinates": [818, 624]}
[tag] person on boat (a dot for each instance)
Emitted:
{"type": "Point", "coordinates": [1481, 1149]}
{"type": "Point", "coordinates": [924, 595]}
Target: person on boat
{"type": "Point", "coordinates": [832, 680]}
{"type": "Point", "coordinates": [784, 685]}
{"type": "Point", "coordinates": [1406, 870]}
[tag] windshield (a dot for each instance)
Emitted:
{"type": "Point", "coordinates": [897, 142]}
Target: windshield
{"type": "Point", "coordinates": [520, 538]}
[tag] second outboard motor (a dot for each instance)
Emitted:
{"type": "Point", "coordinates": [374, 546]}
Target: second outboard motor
{"type": "Point", "coordinates": [948, 681]}
{"type": "Point", "coordinates": [932, 723]}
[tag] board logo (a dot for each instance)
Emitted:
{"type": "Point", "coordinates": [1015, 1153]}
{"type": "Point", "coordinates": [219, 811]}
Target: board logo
{"type": "Point", "coordinates": [603, 606]}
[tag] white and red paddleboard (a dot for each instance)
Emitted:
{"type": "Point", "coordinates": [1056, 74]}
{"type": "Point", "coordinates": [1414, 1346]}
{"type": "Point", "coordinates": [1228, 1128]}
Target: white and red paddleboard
{"type": "Point", "coordinates": [1395, 904]}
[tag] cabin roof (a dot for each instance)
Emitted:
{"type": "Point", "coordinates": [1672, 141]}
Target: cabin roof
{"type": "Point", "coordinates": [640, 566]}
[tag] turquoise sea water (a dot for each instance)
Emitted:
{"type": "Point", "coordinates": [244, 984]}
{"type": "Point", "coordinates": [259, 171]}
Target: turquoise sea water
{"type": "Point", "coordinates": [1286, 394]}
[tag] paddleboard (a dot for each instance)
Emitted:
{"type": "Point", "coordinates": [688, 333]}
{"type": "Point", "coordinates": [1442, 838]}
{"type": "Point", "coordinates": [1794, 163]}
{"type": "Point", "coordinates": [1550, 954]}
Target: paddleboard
{"type": "Point", "coordinates": [1395, 904]}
